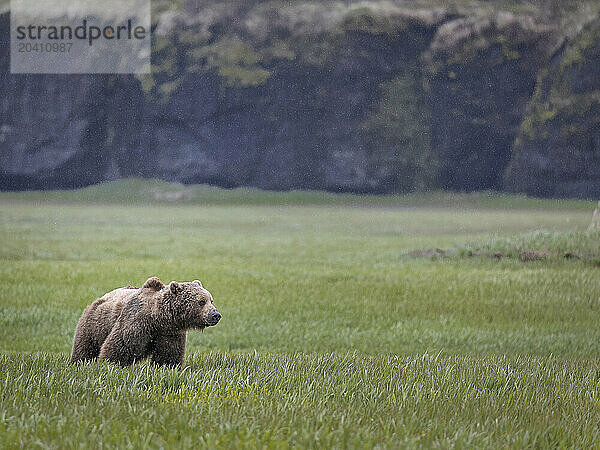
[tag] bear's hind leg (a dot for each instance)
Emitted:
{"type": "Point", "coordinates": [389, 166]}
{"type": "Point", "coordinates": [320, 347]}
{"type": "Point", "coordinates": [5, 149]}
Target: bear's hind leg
{"type": "Point", "coordinates": [85, 348]}
{"type": "Point", "coordinates": [87, 352]}
{"type": "Point", "coordinates": [125, 347]}
{"type": "Point", "coordinates": [114, 349]}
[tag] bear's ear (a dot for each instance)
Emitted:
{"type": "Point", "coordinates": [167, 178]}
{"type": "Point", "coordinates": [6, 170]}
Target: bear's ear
{"type": "Point", "coordinates": [174, 287]}
{"type": "Point", "coordinates": [198, 283]}
{"type": "Point", "coordinates": [153, 283]}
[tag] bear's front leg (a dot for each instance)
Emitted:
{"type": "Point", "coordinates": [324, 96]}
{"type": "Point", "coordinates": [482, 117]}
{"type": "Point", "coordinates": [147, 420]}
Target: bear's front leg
{"type": "Point", "coordinates": [125, 346]}
{"type": "Point", "coordinates": [169, 349]}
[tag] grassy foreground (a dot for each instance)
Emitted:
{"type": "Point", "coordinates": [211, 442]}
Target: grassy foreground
{"type": "Point", "coordinates": [277, 400]}
{"type": "Point", "coordinates": [341, 326]}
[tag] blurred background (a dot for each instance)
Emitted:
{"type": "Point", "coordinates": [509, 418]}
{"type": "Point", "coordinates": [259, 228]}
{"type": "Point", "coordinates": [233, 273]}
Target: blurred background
{"type": "Point", "coordinates": [367, 97]}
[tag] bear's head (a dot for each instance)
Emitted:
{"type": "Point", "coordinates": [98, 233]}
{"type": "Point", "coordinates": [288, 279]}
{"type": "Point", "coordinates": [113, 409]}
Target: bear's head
{"type": "Point", "coordinates": [193, 305]}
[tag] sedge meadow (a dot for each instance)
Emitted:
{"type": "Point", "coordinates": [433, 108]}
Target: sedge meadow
{"type": "Point", "coordinates": [348, 321]}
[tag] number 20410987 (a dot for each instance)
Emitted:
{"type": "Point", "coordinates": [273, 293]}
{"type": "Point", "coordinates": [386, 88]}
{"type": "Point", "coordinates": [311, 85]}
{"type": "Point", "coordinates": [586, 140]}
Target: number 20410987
{"type": "Point", "coordinates": [28, 47]}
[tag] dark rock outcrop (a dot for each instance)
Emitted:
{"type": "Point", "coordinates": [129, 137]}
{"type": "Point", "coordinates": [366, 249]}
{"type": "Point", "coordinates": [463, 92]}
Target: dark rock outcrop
{"type": "Point", "coordinates": [482, 72]}
{"type": "Point", "coordinates": [363, 97]}
{"type": "Point", "coordinates": [274, 97]}
{"type": "Point", "coordinates": [557, 152]}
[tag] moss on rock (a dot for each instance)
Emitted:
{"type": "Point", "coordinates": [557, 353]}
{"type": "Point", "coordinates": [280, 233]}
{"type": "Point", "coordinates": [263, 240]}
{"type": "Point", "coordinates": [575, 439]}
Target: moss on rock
{"type": "Point", "coordinates": [557, 151]}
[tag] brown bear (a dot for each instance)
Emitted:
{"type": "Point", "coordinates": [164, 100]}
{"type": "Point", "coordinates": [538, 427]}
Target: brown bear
{"type": "Point", "coordinates": [130, 324]}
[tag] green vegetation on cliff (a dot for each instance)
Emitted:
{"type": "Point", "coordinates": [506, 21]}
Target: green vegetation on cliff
{"type": "Point", "coordinates": [398, 137]}
{"type": "Point", "coordinates": [555, 152]}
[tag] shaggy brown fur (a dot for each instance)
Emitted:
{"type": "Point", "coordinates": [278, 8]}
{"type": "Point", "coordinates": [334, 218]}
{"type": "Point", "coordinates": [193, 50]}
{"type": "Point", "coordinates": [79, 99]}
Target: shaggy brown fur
{"type": "Point", "coordinates": [130, 324]}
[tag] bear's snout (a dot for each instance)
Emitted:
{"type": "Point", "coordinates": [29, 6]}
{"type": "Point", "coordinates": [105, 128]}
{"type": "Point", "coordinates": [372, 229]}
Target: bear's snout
{"type": "Point", "coordinates": [214, 318]}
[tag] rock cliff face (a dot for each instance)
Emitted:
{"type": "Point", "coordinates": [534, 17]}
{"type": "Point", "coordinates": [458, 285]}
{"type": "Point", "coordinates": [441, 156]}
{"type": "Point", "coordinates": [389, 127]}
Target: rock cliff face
{"type": "Point", "coordinates": [366, 97]}
{"type": "Point", "coordinates": [482, 72]}
{"type": "Point", "coordinates": [68, 131]}
{"type": "Point", "coordinates": [557, 152]}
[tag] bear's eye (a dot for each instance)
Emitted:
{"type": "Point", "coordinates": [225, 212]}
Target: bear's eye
{"type": "Point", "coordinates": [202, 302]}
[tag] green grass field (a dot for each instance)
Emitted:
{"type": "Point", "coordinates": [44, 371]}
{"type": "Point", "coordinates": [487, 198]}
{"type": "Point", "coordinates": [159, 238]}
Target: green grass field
{"type": "Point", "coordinates": [348, 321]}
